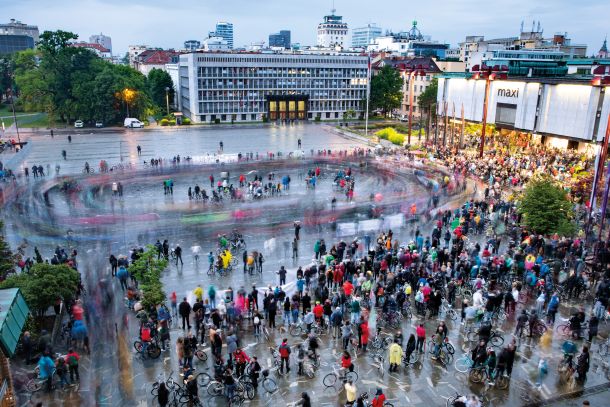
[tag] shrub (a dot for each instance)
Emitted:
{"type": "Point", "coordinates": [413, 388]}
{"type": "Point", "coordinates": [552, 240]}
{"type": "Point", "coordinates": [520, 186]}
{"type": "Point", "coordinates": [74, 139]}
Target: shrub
{"type": "Point", "coordinates": [172, 122]}
{"type": "Point", "coordinates": [186, 121]}
{"type": "Point", "coordinates": [216, 121]}
{"type": "Point", "coordinates": [164, 122]}
{"type": "Point", "coordinates": [391, 135]}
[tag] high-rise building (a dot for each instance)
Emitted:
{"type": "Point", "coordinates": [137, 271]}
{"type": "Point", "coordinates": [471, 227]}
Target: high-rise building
{"type": "Point", "coordinates": [104, 40]}
{"type": "Point", "coordinates": [332, 31]}
{"type": "Point", "coordinates": [224, 30]}
{"type": "Point", "coordinates": [281, 39]}
{"type": "Point", "coordinates": [363, 36]}
{"type": "Point", "coordinates": [192, 45]}
{"type": "Point", "coordinates": [16, 36]}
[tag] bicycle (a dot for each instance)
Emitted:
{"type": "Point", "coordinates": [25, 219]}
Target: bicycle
{"type": "Point", "coordinates": [201, 355]}
{"type": "Point", "coordinates": [463, 363]}
{"type": "Point", "coordinates": [448, 310]}
{"type": "Point", "coordinates": [479, 374]}
{"type": "Point", "coordinates": [331, 378]}
{"type": "Point", "coordinates": [414, 358]}
{"type": "Point", "coordinates": [88, 171]}
{"type": "Point", "coordinates": [153, 351]}
{"type": "Point", "coordinates": [35, 384]}
{"type": "Point", "coordinates": [494, 338]}
{"type": "Point", "coordinates": [446, 344]}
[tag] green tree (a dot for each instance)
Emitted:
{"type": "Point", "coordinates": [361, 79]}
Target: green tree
{"type": "Point", "coordinates": [7, 259]}
{"type": "Point", "coordinates": [6, 76]}
{"type": "Point", "coordinates": [147, 270]}
{"type": "Point", "coordinates": [158, 81]}
{"type": "Point", "coordinates": [43, 284]}
{"type": "Point", "coordinates": [428, 96]}
{"type": "Point", "coordinates": [386, 90]}
{"type": "Point", "coordinates": [546, 208]}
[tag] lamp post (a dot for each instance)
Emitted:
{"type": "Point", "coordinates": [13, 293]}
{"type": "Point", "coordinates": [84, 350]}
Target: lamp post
{"type": "Point", "coordinates": [489, 74]}
{"type": "Point", "coordinates": [412, 74]}
{"type": "Point", "coordinates": [15, 118]}
{"type": "Point", "coordinates": [167, 99]}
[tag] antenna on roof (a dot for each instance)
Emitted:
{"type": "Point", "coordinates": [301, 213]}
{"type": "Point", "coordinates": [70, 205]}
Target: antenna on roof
{"type": "Point", "coordinates": [522, 22]}
{"type": "Point", "coordinates": [332, 11]}
{"type": "Point", "coordinates": [533, 25]}
{"type": "Point", "coordinates": [538, 30]}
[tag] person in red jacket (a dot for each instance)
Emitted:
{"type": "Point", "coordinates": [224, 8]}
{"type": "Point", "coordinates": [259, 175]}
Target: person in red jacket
{"type": "Point", "coordinates": [318, 312]}
{"type": "Point", "coordinates": [421, 337]}
{"type": "Point", "coordinates": [348, 288]}
{"type": "Point", "coordinates": [241, 359]}
{"type": "Point", "coordinates": [284, 355]}
{"type": "Point", "coordinates": [379, 399]}
{"type": "Point", "coordinates": [364, 333]}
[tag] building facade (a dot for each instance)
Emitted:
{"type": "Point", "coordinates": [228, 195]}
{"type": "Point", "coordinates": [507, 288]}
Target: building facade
{"type": "Point", "coordinates": [332, 31]}
{"type": "Point", "coordinates": [408, 44]}
{"type": "Point", "coordinates": [280, 40]}
{"type": "Point", "coordinates": [96, 48]}
{"type": "Point", "coordinates": [14, 27]}
{"type": "Point", "coordinates": [561, 112]}
{"type": "Point", "coordinates": [363, 36]}
{"type": "Point", "coordinates": [523, 62]}
{"type": "Point", "coordinates": [192, 45]}
{"type": "Point", "coordinates": [243, 87]}
{"type": "Point", "coordinates": [225, 31]}
{"type": "Point", "coordinates": [103, 40]}
{"type": "Point", "coordinates": [16, 36]}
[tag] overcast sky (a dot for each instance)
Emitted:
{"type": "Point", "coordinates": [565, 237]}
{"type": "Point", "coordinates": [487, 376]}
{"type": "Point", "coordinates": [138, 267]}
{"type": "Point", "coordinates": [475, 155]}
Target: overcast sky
{"type": "Point", "coordinates": [163, 23]}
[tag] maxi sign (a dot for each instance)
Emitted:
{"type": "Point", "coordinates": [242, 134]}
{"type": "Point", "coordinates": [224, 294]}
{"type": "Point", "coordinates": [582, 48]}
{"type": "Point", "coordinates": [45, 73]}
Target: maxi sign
{"type": "Point", "coordinates": [508, 93]}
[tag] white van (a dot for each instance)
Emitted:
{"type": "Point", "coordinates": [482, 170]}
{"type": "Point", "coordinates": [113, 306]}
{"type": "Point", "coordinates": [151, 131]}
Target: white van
{"type": "Point", "coordinates": [133, 123]}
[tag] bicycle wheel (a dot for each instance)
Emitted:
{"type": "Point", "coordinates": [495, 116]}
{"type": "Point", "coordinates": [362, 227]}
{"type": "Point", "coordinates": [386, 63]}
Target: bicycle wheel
{"type": "Point", "coordinates": [472, 336]}
{"type": "Point", "coordinates": [203, 379]}
{"type": "Point", "coordinates": [496, 341]}
{"type": "Point", "coordinates": [236, 401]}
{"type": "Point", "coordinates": [450, 348]}
{"type": "Point", "coordinates": [309, 370]}
{"type": "Point", "coordinates": [452, 314]}
{"type": "Point", "coordinates": [155, 389]}
{"type": "Point", "coordinates": [444, 357]}
{"type": "Point", "coordinates": [269, 385]}
{"type": "Point", "coordinates": [210, 271]}
{"type": "Point", "coordinates": [502, 382]}
{"type": "Point", "coordinates": [386, 404]}
{"type": "Point", "coordinates": [201, 355]}
{"type": "Point", "coordinates": [431, 346]}
{"type": "Point", "coordinates": [33, 385]}
{"type": "Point", "coordinates": [153, 351]}
{"type": "Point", "coordinates": [564, 329]}
{"type": "Point", "coordinates": [501, 315]}
{"type": "Point", "coordinates": [137, 346]}
{"type": "Point", "coordinates": [463, 364]}
{"type": "Point", "coordinates": [414, 357]}
{"type": "Point", "coordinates": [475, 376]}
{"type": "Point", "coordinates": [539, 329]}
{"type": "Point", "coordinates": [295, 330]}
{"type": "Point", "coordinates": [215, 388]}
{"type": "Point", "coordinates": [353, 376]}
{"type": "Point", "coordinates": [329, 380]}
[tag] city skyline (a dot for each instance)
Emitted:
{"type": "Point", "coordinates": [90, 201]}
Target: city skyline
{"type": "Point", "coordinates": [253, 23]}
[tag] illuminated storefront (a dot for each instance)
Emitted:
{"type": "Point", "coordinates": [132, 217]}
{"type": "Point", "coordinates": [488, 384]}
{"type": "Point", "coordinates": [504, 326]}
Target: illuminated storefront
{"type": "Point", "coordinates": [562, 112]}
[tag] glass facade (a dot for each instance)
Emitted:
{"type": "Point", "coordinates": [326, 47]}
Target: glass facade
{"type": "Point", "coordinates": [13, 43]}
{"type": "Point", "coordinates": [252, 84]}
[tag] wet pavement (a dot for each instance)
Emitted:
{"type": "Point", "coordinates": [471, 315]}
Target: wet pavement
{"type": "Point", "coordinates": [98, 223]}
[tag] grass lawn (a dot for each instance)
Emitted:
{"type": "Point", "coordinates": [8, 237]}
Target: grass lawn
{"type": "Point", "coordinates": [39, 120]}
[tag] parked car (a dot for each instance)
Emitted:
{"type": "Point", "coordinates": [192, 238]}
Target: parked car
{"type": "Point", "coordinates": [79, 124]}
{"type": "Point", "coordinates": [132, 123]}
{"type": "Point", "coordinates": [99, 124]}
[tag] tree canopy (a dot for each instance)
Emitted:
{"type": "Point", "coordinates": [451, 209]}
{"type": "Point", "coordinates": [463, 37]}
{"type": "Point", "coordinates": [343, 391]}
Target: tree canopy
{"type": "Point", "coordinates": [147, 270]}
{"type": "Point", "coordinates": [386, 90]}
{"type": "Point", "coordinates": [546, 208]}
{"type": "Point", "coordinates": [72, 83]}
{"type": "Point", "coordinates": [428, 96]}
{"type": "Point", "coordinates": [43, 284]}
{"type": "Point", "coordinates": [158, 81]}
{"type": "Point", "coordinates": [7, 259]}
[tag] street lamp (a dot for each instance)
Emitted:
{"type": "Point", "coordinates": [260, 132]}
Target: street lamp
{"type": "Point", "coordinates": [15, 117]}
{"type": "Point", "coordinates": [489, 74]}
{"type": "Point", "coordinates": [167, 99]}
{"type": "Point", "coordinates": [413, 72]}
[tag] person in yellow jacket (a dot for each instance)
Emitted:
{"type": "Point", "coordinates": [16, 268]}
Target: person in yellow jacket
{"type": "Point", "coordinates": [395, 356]}
{"type": "Point", "coordinates": [198, 292]}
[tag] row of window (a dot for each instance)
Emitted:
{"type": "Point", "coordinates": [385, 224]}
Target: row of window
{"type": "Point", "coordinates": [205, 118]}
{"type": "Point", "coordinates": [280, 83]}
{"type": "Point", "coordinates": [285, 60]}
{"type": "Point", "coordinates": [261, 107]}
{"type": "Point", "coordinates": [261, 95]}
{"type": "Point", "coordinates": [273, 71]}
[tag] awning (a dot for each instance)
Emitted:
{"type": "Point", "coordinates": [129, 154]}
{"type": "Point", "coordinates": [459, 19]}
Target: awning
{"type": "Point", "coordinates": [13, 314]}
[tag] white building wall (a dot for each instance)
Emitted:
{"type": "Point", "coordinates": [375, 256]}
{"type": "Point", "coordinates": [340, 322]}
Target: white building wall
{"type": "Point", "coordinates": [567, 109]}
{"type": "Point", "coordinates": [603, 119]}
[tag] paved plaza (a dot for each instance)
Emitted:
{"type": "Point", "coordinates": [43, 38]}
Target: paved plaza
{"type": "Point", "coordinates": [98, 222]}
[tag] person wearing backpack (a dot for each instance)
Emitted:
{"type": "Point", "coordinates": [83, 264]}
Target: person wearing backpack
{"type": "Point", "coordinates": [122, 274]}
{"type": "Point", "coordinates": [72, 359]}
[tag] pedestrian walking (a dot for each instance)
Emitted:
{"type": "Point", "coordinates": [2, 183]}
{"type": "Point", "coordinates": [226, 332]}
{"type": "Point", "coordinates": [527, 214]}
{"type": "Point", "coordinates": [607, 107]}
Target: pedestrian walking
{"type": "Point", "coordinates": [178, 252]}
{"type": "Point", "coordinates": [185, 311]}
{"type": "Point", "coordinates": [284, 351]}
{"type": "Point", "coordinates": [72, 359]}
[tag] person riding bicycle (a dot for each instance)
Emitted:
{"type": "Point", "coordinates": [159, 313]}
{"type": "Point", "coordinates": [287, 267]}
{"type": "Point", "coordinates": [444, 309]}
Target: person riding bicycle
{"type": "Point", "coordinates": [145, 337]}
{"type": "Point", "coordinates": [87, 167]}
{"type": "Point", "coordinates": [379, 399]}
{"type": "Point", "coordinates": [346, 362]}
{"type": "Point", "coordinates": [479, 354]}
{"type": "Point", "coordinates": [313, 346]}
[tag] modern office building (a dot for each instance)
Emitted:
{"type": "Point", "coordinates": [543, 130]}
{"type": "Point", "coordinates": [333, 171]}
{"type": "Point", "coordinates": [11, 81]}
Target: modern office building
{"type": "Point", "coordinates": [192, 45]}
{"type": "Point", "coordinates": [104, 40]}
{"type": "Point", "coordinates": [332, 31]}
{"type": "Point", "coordinates": [243, 87]}
{"type": "Point", "coordinates": [15, 27]}
{"type": "Point", "coordinates": [280, 40]}
{"type": "Point", "coordinates": [363, 36]}
{"type": "Point", "coordinates": [522, 62]}
{"type": "Point", "coordinates": [568, 112]}
{"type": "Point", "coordinates": [16, 36]}
{"type": "Point", "coordinates": [224, 30]}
